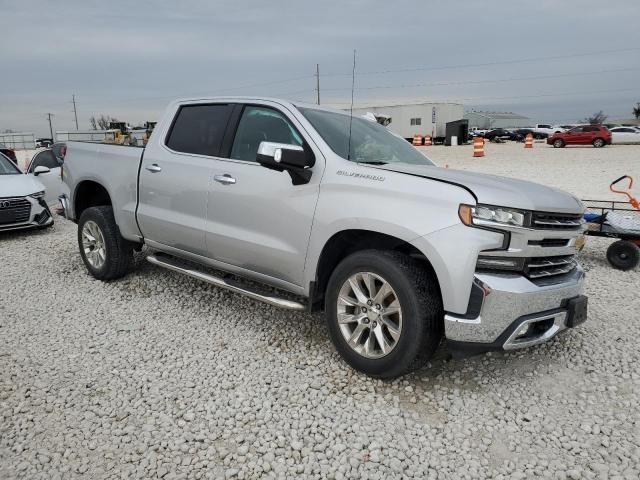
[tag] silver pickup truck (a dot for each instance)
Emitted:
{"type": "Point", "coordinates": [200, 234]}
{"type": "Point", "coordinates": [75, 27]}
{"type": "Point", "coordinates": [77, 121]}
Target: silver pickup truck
{"type": "Point", "coordinates": [344, 215]}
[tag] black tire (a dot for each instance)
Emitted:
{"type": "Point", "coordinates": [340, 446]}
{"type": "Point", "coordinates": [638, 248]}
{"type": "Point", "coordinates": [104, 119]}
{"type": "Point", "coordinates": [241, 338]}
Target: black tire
{"type": "Point", "coordinates": [422, 313]}
{"type": "Point", "coordinates": [558, 143]}
{"type": "Point", "coordinates": [623, 255]}
{"type": "Point", "coordinates": [598, 143]}
{"type": "Point", "coordinates": [118, 251]}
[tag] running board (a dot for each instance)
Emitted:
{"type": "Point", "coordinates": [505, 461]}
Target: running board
{"type": "Point", "coordinates": [169, 264]}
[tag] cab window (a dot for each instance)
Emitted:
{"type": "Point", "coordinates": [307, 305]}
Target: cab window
{"type": "Point", "coordinates": [261, 124]}
{"type": "Point", "coordinates": [199, 129]}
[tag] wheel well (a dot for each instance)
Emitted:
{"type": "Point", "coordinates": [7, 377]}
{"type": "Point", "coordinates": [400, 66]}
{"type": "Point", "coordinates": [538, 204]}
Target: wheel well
{"type": "Point", "coordinates": [343, 244]}
{"type": "Point", "coordinates": [90, 194]}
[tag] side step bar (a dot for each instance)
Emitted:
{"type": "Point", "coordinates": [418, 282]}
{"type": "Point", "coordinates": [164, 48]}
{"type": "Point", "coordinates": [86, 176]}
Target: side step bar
{"type": "Point", "coordinates": [168, 263]}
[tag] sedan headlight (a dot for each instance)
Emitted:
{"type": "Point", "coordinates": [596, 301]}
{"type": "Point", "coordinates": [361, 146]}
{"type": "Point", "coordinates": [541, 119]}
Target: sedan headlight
{"type": "Point", "coordinates": [37, 195]}
{"type": "Point", "coordinates": [485, 215]}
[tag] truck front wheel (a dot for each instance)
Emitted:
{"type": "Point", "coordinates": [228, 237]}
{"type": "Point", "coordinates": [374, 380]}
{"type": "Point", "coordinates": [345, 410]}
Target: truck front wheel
{"type": "Point", "coordinates": [384, 312]}
{"type": "Point", "coordinates": [105, 253]}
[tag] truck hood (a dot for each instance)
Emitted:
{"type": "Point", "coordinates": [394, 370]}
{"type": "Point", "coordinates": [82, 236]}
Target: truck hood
{"type": "Point", "coordinates": [496, 190]}
{"type": "Point", "coordinates": [19, 185]}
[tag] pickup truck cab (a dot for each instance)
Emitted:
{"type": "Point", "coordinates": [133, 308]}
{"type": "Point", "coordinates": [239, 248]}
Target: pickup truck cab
{"type": "Point", "coordinates": [341, 213]}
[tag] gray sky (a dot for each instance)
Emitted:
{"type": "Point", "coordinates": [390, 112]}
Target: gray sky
{"type": "Point", "coordinates": [554, 60]}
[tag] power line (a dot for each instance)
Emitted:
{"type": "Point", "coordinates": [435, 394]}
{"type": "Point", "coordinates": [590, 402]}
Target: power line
{"type": "Point", "coordinates": [475, 82]}
{"type": "Point", "coordinates": [486, 64]}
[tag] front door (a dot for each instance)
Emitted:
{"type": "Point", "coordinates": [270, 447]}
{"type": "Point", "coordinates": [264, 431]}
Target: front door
{"type": "Point", "coordinates": [175, 178]}
{"type": "Point", "coordinates": [257, 219]}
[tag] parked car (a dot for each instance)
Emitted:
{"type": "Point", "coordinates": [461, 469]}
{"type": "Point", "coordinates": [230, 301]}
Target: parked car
{"type": "Point", "coordinates": [52, 178]}
{"type": "Point", "coordinates": [9, 152]}
{"type": "Point", "coordinates": [501, 133]}
{"type": "Point", "coordinates": [562, 128]}
{"type": "Point", "coordinates": [306, 200]}
{"type": "Point", "coordinates": [22, 203]}
{"type": "Point", "coordinates": [622, 135]}
{"type": "Point", "coordinates": [43, 142]}
{"type": "Point", "coordinates": [523, 132]}
{"type": "Point", "coordinates": [596, 135]}
{"type": "Point", "coordinates": [543, 130]}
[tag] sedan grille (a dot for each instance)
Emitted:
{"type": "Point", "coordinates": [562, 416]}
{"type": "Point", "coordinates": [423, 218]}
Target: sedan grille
{"type": "Point", "coordinates": [556, 221]}
{"type": "Point", "coordinates": [540, 267]}
{"type": "Point", "coordinates": [14, 210]}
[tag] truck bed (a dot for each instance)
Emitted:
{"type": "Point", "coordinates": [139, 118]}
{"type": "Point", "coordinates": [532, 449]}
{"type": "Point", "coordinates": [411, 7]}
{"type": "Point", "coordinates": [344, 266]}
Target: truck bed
{"type": "Point", "coordinates": [116, 167]}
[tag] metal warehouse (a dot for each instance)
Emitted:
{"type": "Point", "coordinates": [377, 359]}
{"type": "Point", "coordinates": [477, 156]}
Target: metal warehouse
{"type": "Point", "coordinates": [417, 118]}
{"type": "Point", "coordinates": [490, 120]}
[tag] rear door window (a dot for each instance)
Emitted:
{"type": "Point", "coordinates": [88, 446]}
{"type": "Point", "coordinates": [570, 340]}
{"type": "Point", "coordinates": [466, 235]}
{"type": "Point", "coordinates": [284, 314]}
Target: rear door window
{"type": "Point", "coordinates": [199, 129]}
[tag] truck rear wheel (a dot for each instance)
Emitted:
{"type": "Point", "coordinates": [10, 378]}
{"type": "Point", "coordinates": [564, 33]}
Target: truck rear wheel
{"type": "Point", "coordinates": [384, 312]}
{"type": "Point", "coordinates": [105, 253]}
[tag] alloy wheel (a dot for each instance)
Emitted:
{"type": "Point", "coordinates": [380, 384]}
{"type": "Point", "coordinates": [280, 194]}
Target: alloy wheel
{"type": "Point", "coordinates": [93, 244]}
{"type": "Point", "coordinates": [369, 315]}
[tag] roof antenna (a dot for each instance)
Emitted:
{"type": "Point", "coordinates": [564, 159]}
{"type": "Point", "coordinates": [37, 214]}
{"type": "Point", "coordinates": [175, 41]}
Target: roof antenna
{"type": "Point", "coordinates": [353, 83]}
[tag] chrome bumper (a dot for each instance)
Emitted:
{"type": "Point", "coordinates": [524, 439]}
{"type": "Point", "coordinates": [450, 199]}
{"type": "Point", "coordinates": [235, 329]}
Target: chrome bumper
{"type": "Point", "coordinates": [64, 206]}
{"type": "Point", "coordinates": [511, 303]}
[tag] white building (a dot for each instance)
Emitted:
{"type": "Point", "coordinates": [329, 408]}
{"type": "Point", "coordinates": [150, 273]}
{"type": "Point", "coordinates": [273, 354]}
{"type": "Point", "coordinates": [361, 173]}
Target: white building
{"type": "Point", "coordinates": [489, 120]}
{"type": "Point", "coordinates": [418, 118]}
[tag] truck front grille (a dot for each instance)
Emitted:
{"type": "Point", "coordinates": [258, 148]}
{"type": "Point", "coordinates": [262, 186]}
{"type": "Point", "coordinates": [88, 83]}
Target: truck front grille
{"type": "Point", "coordinates": [556, 221]}
{"type": "Point", "coordinates": [540, 267]}
{"type": "Point", "coordinates": [14, 210]}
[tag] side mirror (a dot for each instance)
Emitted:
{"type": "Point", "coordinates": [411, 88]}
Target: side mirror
{"type": "Point", "coordinates": [280, 157]}
{"type": "Point", "coordinates": [39, 170]}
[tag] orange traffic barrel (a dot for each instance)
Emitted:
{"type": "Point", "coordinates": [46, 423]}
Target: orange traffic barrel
{"type": "Point", "coordinates": [417, 140]}
{"type": "Point", "coordinates": [528, 141]}
{"type": "Point", "coordinates": [478, 147]}
{"type": "Point", "coordinates": [427, 140]}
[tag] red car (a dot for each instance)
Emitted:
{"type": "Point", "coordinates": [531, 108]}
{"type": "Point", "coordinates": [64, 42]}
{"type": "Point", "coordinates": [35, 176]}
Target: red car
{"type": "Point", "coordinates": [596, 135]}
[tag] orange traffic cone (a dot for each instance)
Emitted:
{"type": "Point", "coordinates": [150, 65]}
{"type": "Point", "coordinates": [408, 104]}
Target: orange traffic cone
{"type": "Point", "coordinates": [417, 140]}
{"type": "Point", "coordinates": [478, 147]}
{"type": "Point", "coordinates": [427, 140]}
{"type": "Point", "coordinates": [528, 141]}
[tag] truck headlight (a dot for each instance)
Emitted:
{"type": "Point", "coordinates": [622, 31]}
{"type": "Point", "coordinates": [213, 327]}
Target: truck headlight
{"type": "Point", "coordinates": [485, 215]}
{"type": "Point", "coordinates": [37, 195]}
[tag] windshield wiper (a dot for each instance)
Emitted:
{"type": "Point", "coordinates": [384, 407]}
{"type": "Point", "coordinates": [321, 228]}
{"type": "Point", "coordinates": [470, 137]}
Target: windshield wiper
{"type": "Point", "coordinates": [375, 163]}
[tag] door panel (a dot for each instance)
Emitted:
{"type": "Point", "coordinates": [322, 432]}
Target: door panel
{"type": "Point", "coordinates": [175, 178]}
{"type": "Point", "coordinates": [261, 222]}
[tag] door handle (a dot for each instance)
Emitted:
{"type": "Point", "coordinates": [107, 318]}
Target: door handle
{"type": "Point", "coordinates": [225, 179]}
{"type": "Point", "coordinates": [155, 168]}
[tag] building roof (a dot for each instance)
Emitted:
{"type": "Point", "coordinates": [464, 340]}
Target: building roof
{"type": "Point", "coordinates": [499, 115]}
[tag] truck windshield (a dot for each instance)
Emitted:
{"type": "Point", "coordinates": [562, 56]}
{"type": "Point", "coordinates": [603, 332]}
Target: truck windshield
{"type": "Point", "coordinates": [7, 167]}
{"type": "Point", "coordinates": [370, 141]}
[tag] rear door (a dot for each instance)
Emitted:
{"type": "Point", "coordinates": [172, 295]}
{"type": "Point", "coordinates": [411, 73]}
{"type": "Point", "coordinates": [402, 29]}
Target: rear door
{"type": "Point", "coordinates": [175, 177]}
{"type": "Point", "coordinates": [258, 220]}
{"type": "Point", "coordinates": [52, 182]}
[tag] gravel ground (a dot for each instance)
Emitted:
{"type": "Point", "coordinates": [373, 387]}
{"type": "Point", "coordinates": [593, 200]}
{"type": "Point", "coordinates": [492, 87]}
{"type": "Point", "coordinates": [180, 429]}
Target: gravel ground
{"type": "Point", "coordinates": [159, 376]}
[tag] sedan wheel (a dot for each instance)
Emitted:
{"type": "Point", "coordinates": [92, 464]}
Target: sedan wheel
{"type": "Point", "coordinates": [598, 143]}
{"type": "Point", "coordinates": [558, 144]}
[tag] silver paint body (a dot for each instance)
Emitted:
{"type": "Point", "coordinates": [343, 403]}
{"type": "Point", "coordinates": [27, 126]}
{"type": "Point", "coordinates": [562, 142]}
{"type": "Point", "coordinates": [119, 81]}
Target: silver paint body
{"type": "Point", "coordinates": [264, 228]}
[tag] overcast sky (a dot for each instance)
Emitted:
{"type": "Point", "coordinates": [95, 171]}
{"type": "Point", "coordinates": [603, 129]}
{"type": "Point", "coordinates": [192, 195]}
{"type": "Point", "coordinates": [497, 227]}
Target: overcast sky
{"type": "Point", "coordinates": [553, 60]}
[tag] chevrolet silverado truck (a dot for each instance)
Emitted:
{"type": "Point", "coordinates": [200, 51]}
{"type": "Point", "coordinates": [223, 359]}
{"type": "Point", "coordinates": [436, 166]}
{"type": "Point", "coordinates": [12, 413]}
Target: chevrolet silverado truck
{"type": "Point", "coordinates": [341, 213]}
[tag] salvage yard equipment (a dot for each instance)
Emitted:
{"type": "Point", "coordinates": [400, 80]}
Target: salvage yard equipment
{"type": "Point", "coordinates": [615, 219]}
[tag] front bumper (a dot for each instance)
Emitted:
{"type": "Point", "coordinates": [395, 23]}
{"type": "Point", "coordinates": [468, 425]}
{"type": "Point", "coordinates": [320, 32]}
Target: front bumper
{"type": "Point", "coordinates": [39, 216]}
{"type": "Point", "coordinates": [508, 302]}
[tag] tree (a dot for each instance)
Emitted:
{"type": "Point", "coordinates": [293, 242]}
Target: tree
{"type": "Point", "coordinates": [101, 122]}
{"type": "Point", "coordinates": [636, 111]}
{"type": "Point", "coordinates": [596, 119]}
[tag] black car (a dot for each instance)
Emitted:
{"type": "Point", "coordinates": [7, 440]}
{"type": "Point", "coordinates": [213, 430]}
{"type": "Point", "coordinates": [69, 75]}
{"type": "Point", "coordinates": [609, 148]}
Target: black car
{"type": "Point", "coordinates": [502, 134]}
{"type": "Point", "coordinates": [9, 152]}
{"type": "Point", "coordinates": [536, 135]}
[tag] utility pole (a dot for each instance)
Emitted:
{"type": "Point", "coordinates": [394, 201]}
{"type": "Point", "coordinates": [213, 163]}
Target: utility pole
{"type": "Point", "coordinates": [318, 83]}
{"type": "Point", "coordinates": [75, 112]}
{"type": "Point", "coordinates": [49, 115]}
